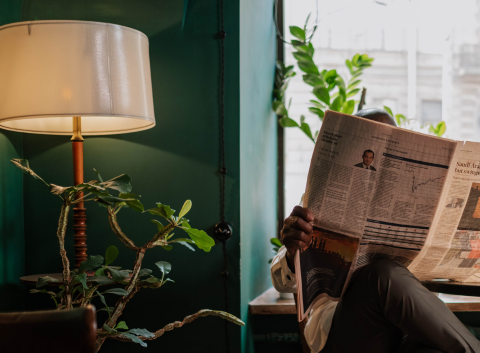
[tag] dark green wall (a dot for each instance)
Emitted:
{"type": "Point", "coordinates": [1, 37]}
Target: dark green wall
{"type": "Point", "coordinates": [12, 247]}
{"type": "Point", "coordinates": [177, 160]}
{"type": "Point", "coordinates": [258, 159]}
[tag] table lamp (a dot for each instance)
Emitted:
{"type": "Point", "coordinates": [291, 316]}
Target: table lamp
{"type": "Point", "coordinates": [74, 78]}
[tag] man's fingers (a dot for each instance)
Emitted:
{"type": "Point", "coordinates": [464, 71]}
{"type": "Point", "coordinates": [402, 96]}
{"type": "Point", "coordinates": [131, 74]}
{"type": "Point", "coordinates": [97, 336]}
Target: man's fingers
{"type": "Point", "coordinates": [298, 223]}
{"type": "Point", "coordinates": [295, 234]}
{"type": "Point", "coordinates": [293, 244]}
{"type": "Point", "coordinates": [303, 213]}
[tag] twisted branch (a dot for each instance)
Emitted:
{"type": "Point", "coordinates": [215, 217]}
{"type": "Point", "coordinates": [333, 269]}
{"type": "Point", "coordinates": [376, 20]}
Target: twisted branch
{"type": "Point", "coordinates": [176, 324]}
{"type": "Point", "coordinates": [62, 228]}
{"type": "Point", "coordinates": [112, 218]}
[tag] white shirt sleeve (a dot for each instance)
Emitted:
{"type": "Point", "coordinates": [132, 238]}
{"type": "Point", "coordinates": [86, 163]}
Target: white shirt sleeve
{"type": "Point", "coordinates": [282, 278]}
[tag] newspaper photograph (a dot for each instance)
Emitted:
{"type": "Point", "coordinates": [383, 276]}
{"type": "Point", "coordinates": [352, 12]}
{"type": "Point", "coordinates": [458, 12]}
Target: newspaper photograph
{"type": "Point", "coordinates": [377, 186]}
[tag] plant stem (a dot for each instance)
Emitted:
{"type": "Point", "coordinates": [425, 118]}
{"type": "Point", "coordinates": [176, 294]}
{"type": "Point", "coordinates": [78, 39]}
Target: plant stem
{"type": "Point", "coordinates": [88, 296]}
{"type": "Point", "coordinates": [131, 290]}
{"type": "Point", "coordinates": [62, 228]}
{"type": "Point", "coordinates": [112, 218]}
{"type": "Point", "coordinates": [187, 320]}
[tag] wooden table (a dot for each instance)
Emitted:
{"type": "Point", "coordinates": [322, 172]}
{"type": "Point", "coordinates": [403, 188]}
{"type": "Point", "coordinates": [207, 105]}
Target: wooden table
{"type": "Point", "coordinates": [452, 287]}
{"type": "Point", "coordinates": [269, 303]}
{"type": "Point", "coordinates": [32, 279]}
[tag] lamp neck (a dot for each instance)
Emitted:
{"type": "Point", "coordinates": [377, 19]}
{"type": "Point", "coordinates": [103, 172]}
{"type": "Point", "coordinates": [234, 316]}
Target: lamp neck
{"type": "Point", "coordinates": [77, 129]}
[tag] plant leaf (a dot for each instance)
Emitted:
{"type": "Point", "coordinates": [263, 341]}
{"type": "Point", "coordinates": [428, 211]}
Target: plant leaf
{"type": "Point", "coordinates": [22, 164]}
{"type": "Point", "coordinates": [159, 224]}
{"type": "Point", "coordinates": [184, 243]}
{"type": "Point", "coordinates": [162, 210]}
{"type": "Point", "coordinates": [302, 56]}
{"type": "Point", "coordinates": [58, 190]}
{"type": "Point", "coordinates": [117, 291]}
{"type": "Point", "coordinates": [287, 122]}
{"type": "Point", "coordinates": [91, 263]}
{"type": "Point", "coordinates": [322, 93]}
{"type": "Point", "coordinates": [164, 266]}
{"type": "Point", "coordinates": [306, 129]}
{"type": "Point", "coordinates": [111, 254]}
{"type": "Point", "coordinates": [337, 104]}
{"type": "Point", "coordinates": [353, 92]}
{"type": "Point", "coordinates": [297, 32]}
{"type": "Point", "coordinates": [400, 118]}
{"type": "Point", "coordinates": [107, 308]}
{"type": "Point", "coordinates": [317, 111]}
{"type": "Point", "coordinates": [121, 326]}
{"type": "Point", "coordinates": [82, 278]}
{"type": "Point", "coordinates": [201, 239]}
{"type": "Point", "coordinates": [348, 107]}
{"type": "Point", "coordinates": [276, 242]}
{"type": "Point", "coordinates": [141, 332]}
{"type": "Point", "coordinates": [313, 80]}
{"type": "Point", "coordinates": [308, 67]}
{"type": "Point", "coordinates": [118, 276]}
{"type": "Point", "coordinates": [99, 176]}
{"type": "Point", "coordinates": [135, 205]}
{"type": "Point", "coordinates": [144, 272]}
{"type": "Point", "coordinates": [120, 183]}
{"type": "Point", "coordinates": [440, 128]}
{"type": "Point", "coordinates": [388, 110]}
{"type": "Point", "coordinates": [185, 209]}
{"type": "Point", "coordinates": [134, 339]}
{"type": "Point", "coordinates": [100, 279]}
{"type": "Point", "coordinates": [43, 281]}
{"type": "Point", "coordinates": [279, 108]}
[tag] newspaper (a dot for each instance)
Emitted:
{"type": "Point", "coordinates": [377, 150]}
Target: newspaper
{"type": "Point", "coordinates": [381, 192]}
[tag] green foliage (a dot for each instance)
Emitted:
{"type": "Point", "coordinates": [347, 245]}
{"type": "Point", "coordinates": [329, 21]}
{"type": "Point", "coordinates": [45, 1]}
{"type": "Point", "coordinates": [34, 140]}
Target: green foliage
{"type": "Point", "coordinates": [78, 288]}
{"type": "Point", "coordinates": [438, 130]}
{"type": "Point", "coordinates": [111, 254]}
{"type": "Point", "coordinates": [333, 91]}
{"type": "Point", "coordinates": [277, 244]}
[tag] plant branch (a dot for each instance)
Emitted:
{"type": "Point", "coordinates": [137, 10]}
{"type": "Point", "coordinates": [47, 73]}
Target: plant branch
{"type": "Point", "coordinates": [112, 218]}
{"type": "Point", "coordinates": [150, 244]}
{"type": "Point", "coordinates": [62, 228]}
{"type": "Point", "coordinates": [177, 324]}
{"type": "Point", "coordinates": [131, 290]}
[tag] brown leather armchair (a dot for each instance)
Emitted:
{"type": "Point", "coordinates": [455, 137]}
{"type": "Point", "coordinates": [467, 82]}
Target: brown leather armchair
{"type": "Point", "coordinates": [72, 331]}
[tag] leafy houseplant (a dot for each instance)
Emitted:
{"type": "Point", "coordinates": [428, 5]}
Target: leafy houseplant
{"type": "Point", "coordinates": [332, 91]}
{"type": "Point", "coordinates": [79, 289]}
{"type": "Point", "coordinates": [402, 121]}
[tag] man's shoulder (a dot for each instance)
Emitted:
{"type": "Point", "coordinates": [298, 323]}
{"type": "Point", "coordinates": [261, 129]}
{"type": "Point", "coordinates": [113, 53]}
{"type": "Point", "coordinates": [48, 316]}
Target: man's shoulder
{"type": "Point", "coordinates": [359, 165]}
{"type": "Point", "coordinates": [373, 168]}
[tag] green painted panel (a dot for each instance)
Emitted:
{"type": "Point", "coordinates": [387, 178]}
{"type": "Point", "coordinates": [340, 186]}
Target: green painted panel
{"type": "Point", "coordinates": [12, 249]}
{"type": "Point", "coordinates": [258, 144]}
{"type": "Point", "coordinates": [12, 245]}
{"type": "Point", "coordinates": [176, 160]}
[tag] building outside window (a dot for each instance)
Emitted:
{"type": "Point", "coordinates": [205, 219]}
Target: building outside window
{"type": "Point", "coordinates": [427, 66]}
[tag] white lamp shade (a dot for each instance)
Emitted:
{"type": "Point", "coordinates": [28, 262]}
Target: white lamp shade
{"type": "Point", "coordinates": [51, 71]}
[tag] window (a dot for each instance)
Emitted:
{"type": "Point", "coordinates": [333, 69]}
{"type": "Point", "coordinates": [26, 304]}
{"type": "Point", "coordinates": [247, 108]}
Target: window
{"type": "Point", "coordinates": [426, 66]}
{"type": "Point", "coordinates": [431, 111]}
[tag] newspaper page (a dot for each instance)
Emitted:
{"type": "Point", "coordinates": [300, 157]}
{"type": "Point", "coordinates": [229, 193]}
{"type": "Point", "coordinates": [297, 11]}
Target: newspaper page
{"type": "Point", "coordinates": [452, 250]}
{"type": "Point", "coordinates": [373, 190]}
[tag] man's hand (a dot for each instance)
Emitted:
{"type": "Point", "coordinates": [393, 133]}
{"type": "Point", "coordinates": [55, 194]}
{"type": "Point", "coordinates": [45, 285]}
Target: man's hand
{"type": "Point", "coordinates": [296, 232]}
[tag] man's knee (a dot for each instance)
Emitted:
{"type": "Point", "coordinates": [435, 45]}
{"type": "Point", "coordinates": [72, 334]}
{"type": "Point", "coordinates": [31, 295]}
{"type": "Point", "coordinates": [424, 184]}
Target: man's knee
{"type": "Point", "coordinates": [385, 269]}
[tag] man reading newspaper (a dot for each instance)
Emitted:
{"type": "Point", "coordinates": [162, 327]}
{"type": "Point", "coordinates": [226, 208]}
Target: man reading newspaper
{"type": "Point", "coordinates": [362, 227]}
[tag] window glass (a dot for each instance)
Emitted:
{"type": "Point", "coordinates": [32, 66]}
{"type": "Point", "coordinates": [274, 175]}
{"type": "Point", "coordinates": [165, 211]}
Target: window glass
{"type": "Point", "coordinates": [426, 66]}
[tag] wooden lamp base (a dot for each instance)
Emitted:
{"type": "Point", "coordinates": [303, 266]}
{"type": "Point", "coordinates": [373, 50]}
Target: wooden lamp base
{"type": "Point", "coordinates": [79, 215]}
